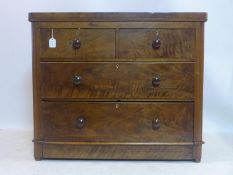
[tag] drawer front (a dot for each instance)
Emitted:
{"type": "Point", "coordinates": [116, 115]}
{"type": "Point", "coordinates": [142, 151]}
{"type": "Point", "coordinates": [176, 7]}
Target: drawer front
{"type": "Point", "coordinates": [95, 43]}
{"type": "Point", "coordinates": [141, 44]}
{"type": "Point", "coordinates": [117, 80]}
{"type": "Point", "coordinates": [126, 122]}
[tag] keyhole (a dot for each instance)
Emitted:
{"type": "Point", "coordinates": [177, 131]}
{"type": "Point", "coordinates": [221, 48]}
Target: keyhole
{"type": "Point", "coordinates": [117, 66]}
{"type": "Point", "coordinates": [117, 106]}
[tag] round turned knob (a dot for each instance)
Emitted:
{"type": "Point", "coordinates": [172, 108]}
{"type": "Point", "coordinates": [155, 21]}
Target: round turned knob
{"type": "Point", "coordinates": [156, 80]}
{"type": "Point", "coordinates": [156, 43]}
{"type": "Point", "coordinates": [156, 123]}
{"type": "Point", "coordinates": [77, 80]}
{"type": "Point", "coordinates": [80, 122]}
{"type": "Point", "coordinates": [76, 44]}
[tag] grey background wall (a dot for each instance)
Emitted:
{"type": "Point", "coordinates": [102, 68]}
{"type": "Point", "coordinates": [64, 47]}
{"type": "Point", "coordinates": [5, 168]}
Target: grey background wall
{"type": "Point", "coordinates": [15, 53]}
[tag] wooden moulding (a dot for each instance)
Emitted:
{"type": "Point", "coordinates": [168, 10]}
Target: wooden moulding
{"type": "Point", "coordinates": [62, 17]}
{"type": "Point", "coordinates": [120, 143]}
{"type": "Point", "coordinates": [121, 152]}
{"type": "Point", "coordinates": [117, 150]}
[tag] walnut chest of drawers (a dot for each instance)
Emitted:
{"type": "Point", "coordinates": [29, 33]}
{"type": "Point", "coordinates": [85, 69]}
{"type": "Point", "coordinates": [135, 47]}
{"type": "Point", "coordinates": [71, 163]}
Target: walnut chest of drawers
{"type": "Point", "coordinates": [118, 85]}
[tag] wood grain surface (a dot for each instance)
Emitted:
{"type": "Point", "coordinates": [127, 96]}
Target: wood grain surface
{"type": "Point", "coordinates": [95, 43]}
{"type": "Point", "coordinates": [117, 16]}
{"type": "Point", "coordinates": [119, 122]}
{"type": "Point", "coordinates": [136, 44]}
{"type": "Point", "coordinates": [129, 80]}
{"type": "Point", "coordinates": [118, 152]}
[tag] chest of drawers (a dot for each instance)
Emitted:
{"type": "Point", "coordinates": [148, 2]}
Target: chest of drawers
{"type": "Point", "coordinates": [118, 85]}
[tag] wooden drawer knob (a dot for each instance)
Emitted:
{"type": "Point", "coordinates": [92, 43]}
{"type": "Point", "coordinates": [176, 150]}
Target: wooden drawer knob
{"type": "Point", "coordinates": [156, 43]}
{"type": "Point", "coordinates": [77, 80]}
{"type": "Point", "coordinates": [76, 44]}
{"type": "Point", "coordinates": [155, 123]}
{"type": "Point", "coordinates": [156, 80]}
{"type": "Point", "coordinates": [80, 122]}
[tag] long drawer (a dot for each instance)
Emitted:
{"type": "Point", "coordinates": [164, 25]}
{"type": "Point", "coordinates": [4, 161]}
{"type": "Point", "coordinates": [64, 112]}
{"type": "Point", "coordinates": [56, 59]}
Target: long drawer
{"type": "Point", "coordinates": [117, 122]}
{"type": "Point", "coordinates": [117, 80]}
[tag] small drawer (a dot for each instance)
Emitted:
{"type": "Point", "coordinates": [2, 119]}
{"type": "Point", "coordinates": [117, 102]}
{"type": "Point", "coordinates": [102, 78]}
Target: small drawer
{"type": "Point", "coordinates": [116, 81]}
{"type": "Point", "coordinates": [79, 44]}
{"type": "Point", "coordinates": [155, 44]}
{"type": "Point", "coordinates": [117, 122]}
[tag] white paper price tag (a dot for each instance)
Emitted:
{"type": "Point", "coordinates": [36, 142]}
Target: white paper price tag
{"type": "Point", "coordinates": [52, 43]}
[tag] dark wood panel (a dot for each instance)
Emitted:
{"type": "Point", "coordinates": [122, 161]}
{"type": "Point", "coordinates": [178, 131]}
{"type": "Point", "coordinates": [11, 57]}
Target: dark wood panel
{"type": "Point", "coordinates": [199, 69]}
{"type": "Point", "coordinates": [136, 44]}
{"type": "Point", "coordinates": [117, 80]}
{"type": "Point", "coordinates": [36, 90]}
{"type": "Point", "coordinates": [116, 16]}
{"type": "Point", "coordinates": [117, 25]}
{"type": "Point", "coordinates": [95, 43]}
{"type": "Point", "coordinates": [126, 122]}
{"type": "Point", "coordinates": [118, 152]}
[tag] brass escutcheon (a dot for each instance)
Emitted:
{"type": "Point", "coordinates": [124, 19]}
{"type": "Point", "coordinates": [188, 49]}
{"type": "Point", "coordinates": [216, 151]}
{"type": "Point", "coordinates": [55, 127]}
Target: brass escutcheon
{"type": "Point", "coordinates": [117, 66]}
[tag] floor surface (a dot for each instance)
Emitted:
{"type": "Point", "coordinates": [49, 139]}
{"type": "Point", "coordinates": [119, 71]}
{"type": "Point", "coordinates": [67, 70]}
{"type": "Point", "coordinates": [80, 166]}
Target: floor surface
{"type": "Point", "coordinates": [16, 158]}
